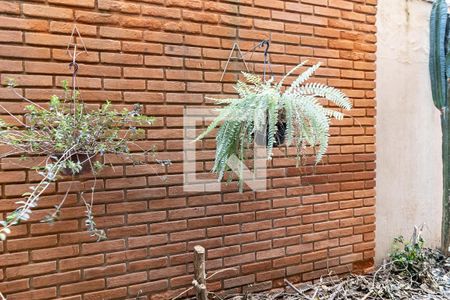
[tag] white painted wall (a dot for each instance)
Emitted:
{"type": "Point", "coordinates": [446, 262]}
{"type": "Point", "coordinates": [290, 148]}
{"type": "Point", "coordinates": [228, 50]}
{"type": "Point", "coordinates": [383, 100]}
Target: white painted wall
{"type": "Point", "coordinates": [409, 166]}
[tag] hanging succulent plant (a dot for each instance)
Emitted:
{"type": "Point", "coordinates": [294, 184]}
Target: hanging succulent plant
{"type": "Point", "coordinates": [72, 138]}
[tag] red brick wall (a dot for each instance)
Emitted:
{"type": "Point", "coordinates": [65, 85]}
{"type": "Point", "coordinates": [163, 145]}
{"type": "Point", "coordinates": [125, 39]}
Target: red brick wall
{"type": "Point", "coordinates": [167, 54]}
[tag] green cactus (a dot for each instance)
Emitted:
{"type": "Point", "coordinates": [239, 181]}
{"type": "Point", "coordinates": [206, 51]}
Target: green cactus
{"type": "Point", "coordinates": [439, 74]}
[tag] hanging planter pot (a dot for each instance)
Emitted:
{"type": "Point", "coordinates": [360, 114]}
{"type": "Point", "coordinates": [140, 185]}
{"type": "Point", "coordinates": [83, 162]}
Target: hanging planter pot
{"type": "Point", "coordinates": [279, 137]}
{"type": "Point", "coordinates": [77, 163]}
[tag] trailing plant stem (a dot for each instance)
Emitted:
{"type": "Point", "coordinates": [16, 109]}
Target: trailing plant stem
{"type": "Point", "coordinates": [33, 198]}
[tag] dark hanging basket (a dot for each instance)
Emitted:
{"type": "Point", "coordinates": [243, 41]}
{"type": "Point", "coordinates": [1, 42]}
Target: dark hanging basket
{"type": "Point", "coordinates": [280, 136]}
{"type": "Point", "coordinates": [86, 166]}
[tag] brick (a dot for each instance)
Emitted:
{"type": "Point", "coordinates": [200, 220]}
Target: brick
{"type": "Point", "coordinates": [47, 12]}
{"type": "Point", "coordinates": [96, 18]}
{"type": "Point", "coordinates": [187, 235]}
{"type": "Point", "coordinates": [122, 84]}
{"type": "Point", "coordinates": [163, 61]}
{"type": "Point", "coordinates": [10, 8]}
{"type": "Point", "coordinates": [182, 27]}
{"type": "Point", "coordinates": [123, 59]}
{"type": "Point", "coordinates": [81, 3]}
{"type": "Point", "coordinates": [166, 86]}
{"type": "Point", "coordinates": [270, 254]}
{"type": "Point", "coordinates": [148, 264]}
{"type": "Point", "coordinates": [202, 41]}
{"type": "Point", "coordinates": [11, 36]}
{"type": "Point", "coordinates": [14, 286]}
{"type": "Point", "coordinates": [269, 25]}
{"type": "Point", "coordinates": [342, 4]}
{"type": "Point", "coordinates": [11, 66]}
{"type": "Point", "coordinates": [66, 27]}
{"type": "Point", "coordinates": [106, 246]}
{"type": "Point", "coordinates": [23, 24]}
{"type": "Point", "coordinates": [81, 287]}
{"type": "Point", "coordinates": [24, 52]}
{"type": "Point", "coordinates": [47, 293]}
{"type": "Point", "coordinates": [119, 6]}
{"type": "Point", "coordinates": [184, 75]}
{"type": "Point", "coordinates": [195, 4]}
{"type": "Point", "coordinates": [54, 253]}
{"type": "Point", "coordinates": [143, 97]}
{"type": "Point", "coordinates": [127, 255]}
{"type": "Point", "coordinates": [127, 279]}
{"type": "Point", "coordinates": [165, 12]}
{"type": "Point", "coordinates": [239, 281]}
{"type": "Point", "coordinates": [149, 287]}
{"type": "Point", "coordinates": [163, 37]}
{"type": "Point", "coordinates": [31, 243]}
{"type": "Point", "coordinates": [13, 259]}
{"type": "Point", "coordinates": [142, 47]}
{"type": "Point", "coordinates": [56, 279]}
{"type": "Point", "coordinates": [30, 270]}
{"type": "Point", "coordinates": [200, 17]}
{"type": "Point", "coordinates": [204, 87]}
{"type": "Point", "coordinates": [80, 262]}
{"type": "Point", "coordinates": [152, 240]}
{"type": "Point", "coordinates": [64, 226]}
{"type": "Point", "coordinates": [218, 31]}
{"type": "Point", "coordinates": [108, 294]}
{"type": "Point", "coordinates": [117, 33]}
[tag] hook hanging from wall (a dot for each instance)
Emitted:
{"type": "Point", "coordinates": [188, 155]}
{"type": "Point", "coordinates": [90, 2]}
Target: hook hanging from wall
{"type": "Point", "coordinates": [267, 65]}
{"type": "Point", "coordinates": [266, 56]}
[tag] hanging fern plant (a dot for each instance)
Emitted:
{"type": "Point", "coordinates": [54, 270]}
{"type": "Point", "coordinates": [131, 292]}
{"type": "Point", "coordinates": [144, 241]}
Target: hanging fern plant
{"type": "Point", "coordinates": [265, 106]}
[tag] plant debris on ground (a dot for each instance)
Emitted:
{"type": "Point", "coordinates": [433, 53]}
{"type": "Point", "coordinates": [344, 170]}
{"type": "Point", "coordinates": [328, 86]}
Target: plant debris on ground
{"type": "Point", "coordinates": [412, 272]}
{"type": "Point", "coordinates": [387, 282]}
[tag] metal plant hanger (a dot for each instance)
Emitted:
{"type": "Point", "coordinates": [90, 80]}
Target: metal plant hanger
{"type": "Point", "coordinates": [267, 66]}
{"type": "Point", "coordinates": [235, 48]}
{"type": "Point", "coordinates": [71, 49]}
{"type": "Point", "coordinates": [240, 56]}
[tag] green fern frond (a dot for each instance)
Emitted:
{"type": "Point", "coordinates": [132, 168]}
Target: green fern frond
{"type": "Point", "coordinates": [330, 93]}
{"type": "Point", "coordinates": [223, 114]}
{"type": "Point", "coordinates": [288, 110]}
{"type": "Point", "coordinates": [223, 100]}
{"type": "Point", "coordinates": [302, 78]}
{"type": "Point", "coordinates": [280, 84]}
{"type": "Point", "coordinates": [272, 117]}
{"type": "Point", "coordinates": [242, 89]}
{"type": "Point", "coordinates": [252, 78]}
{"type": "Point", "coordinates": [334, 114]}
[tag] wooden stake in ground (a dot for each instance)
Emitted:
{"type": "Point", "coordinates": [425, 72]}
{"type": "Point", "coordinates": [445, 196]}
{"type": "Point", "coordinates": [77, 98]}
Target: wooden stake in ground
{"type": "Point", "coordinates": [199, 281]}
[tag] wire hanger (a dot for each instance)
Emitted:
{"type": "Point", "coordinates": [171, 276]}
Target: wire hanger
{"type": "Point", "coordinates": [240, 56]}
{"type": "Point", "coordinates": [266, 43]}
{"type": "Point", "coordinates": [267, 65]}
